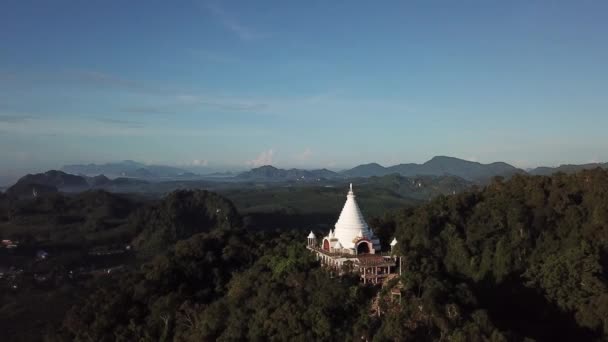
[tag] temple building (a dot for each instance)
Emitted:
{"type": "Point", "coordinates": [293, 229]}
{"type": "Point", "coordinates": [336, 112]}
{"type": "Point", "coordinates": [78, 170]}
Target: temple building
{"type": "Point", "coordinates": [352, 246]}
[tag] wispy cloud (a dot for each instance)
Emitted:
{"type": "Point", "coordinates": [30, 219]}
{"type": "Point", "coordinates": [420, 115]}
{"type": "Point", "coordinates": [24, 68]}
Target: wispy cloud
{"type": "Point", "coordinates": [213, 56]}
{"type": "Point", "coordinates": [79, 78]}
{"type": "Point", "coordinates": [123, 123]}
{"type": "Point", "coordinates": [304, 156]}
{"type": "Point", "coordinates": [105, 79]}
{"type": "Point", "coordinates": [265, 158]}
{"type": "Point", "coordinates": [196, 163]}
{"type": "Point", "coordinates": [184, 102]}
{"type": "Point", "coordinates": [145, 110]}
{"type": "Point", "coordinates": [178, 103]}
{"type": "Point", "coordinates": [199, 162]}
{"type": "Point", "coordinates": [236, 106]}
{"type": "Point", "coordinates": [90, 126]}
{"type": "Point", "coordinates": [230, 23]}
{"type": "Point", "coordinates": [219, 103]}
{"type": "Point", "coordinates": [9, 118]}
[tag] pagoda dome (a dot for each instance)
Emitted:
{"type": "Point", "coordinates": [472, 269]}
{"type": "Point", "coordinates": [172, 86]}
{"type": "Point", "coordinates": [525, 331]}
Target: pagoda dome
{"type": "Point", "coordinates": [311, 235]}
{"type": "Point", "coordinates": [351, 225]}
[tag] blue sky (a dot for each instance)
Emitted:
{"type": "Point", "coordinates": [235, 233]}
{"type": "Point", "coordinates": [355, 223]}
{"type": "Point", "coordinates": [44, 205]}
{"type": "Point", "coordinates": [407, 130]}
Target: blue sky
{"type": "Point", "coordinates": [302, 83]}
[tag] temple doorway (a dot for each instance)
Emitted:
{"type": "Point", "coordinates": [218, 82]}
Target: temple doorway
{"type": "Point", "coordinates": [363, 248]}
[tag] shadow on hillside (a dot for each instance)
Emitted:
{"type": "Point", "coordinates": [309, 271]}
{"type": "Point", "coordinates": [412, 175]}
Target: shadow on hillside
{"type": "Point", "coordinates": [525, 311]}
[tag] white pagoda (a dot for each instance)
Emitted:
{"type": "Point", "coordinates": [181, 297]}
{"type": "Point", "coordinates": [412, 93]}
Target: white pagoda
{"type": "Point", "coordinates": [352, 246]}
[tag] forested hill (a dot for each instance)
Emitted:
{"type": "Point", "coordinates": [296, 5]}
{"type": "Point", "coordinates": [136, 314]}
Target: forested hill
{"type": "Point", "coordinates": [529, 255]}
{"type": "Point", "coordinates": [521, 258]}
{"type": "Point", "coordinates": [566, 168]}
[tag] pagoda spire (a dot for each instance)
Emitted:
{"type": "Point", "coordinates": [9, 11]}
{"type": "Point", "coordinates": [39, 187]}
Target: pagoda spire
{"type": "Point", "coordinates": [351, 225]}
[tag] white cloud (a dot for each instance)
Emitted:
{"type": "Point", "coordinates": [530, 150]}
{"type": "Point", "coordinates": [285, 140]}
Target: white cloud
{"type": "Point", "coordinates": [15, 118]}
{"type": "Point", "coordinates": [304, 155]}
{"type": "Point", "coordinates": [199, 162]}
{"type": "Point", "coordinates": [123, 123]}
{"type": "Point", "coordinates": [265, 158]}
{"type": "Point", "coordinates": [218, 102]}
{"type": "Point", "coordinates": [193, 163]}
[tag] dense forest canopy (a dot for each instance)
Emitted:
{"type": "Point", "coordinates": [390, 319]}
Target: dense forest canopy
{"type": "Point", "coordinates": [532, 252]}
{"type": "Point", "coordinates": [523, 258]}
{"type": "Point", "coordinates": [178, 216]}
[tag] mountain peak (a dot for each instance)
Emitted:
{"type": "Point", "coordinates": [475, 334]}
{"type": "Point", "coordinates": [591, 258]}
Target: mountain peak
{"type": "Point", "coordinates": [265, 167]}
{"type": "Point", "coordinates": [447, 159]}
{"type": "Point", "coordinates": [366, 170]}
{"type": "Point", "coordinates": [52, 179]}
{"type": "Point", "coordinates": [372, 164]}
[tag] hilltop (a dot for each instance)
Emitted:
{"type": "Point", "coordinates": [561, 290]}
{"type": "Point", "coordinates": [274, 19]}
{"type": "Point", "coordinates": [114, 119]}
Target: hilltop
{"type": "Point", "coordinates": [49, 181]}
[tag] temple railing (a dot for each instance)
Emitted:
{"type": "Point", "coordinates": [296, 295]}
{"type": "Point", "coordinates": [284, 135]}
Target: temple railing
{"type": "Point", "coordinates": [332, 254]}
{"type": "Point", "coordinates": [372, 275]}
{"type": "Point", "coordinates": [346, 255]}
{"type": "Point", "coordinates": [373, 263]}
{"type": "Point", "coordinates": [358, 261]}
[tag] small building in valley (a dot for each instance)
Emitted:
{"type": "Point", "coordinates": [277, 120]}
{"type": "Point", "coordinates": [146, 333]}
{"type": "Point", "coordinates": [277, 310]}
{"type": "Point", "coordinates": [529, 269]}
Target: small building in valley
{"type": "Point", "coordinates": [353, 247]}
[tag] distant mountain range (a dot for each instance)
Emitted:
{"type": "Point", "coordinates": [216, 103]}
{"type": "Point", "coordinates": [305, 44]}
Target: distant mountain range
{"type": "Point", "coordinates": [271, 173]}
{"type": "Point", "coordinates": [130, 175]}
{"type": "Point", "coordinates": [439, 166]}
{"type": "Point", "coordinates": [128, 168]}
